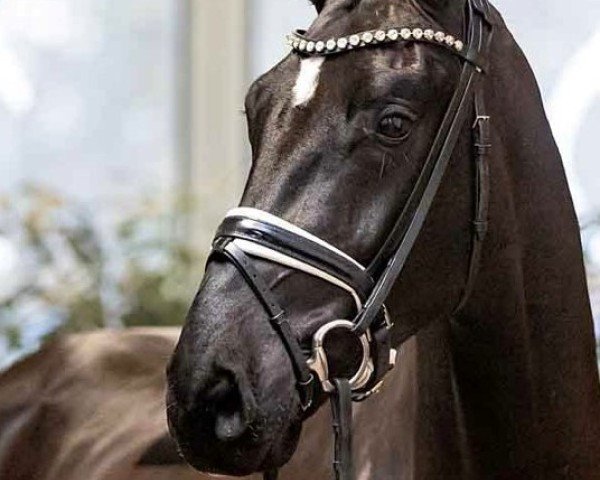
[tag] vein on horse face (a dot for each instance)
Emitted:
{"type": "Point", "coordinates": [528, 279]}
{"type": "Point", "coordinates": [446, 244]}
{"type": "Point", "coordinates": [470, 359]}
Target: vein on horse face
{"type": "Point", "coordinates": [308, 80]}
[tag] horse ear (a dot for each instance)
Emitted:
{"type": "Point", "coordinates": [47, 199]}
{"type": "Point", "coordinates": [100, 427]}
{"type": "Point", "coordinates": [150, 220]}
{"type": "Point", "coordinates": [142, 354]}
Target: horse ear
{"type": "Point", "coordinates": [319, 4]}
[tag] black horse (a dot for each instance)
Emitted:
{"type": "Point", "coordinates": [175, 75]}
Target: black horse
{"type": "Point", "coordinates": [506, 386]}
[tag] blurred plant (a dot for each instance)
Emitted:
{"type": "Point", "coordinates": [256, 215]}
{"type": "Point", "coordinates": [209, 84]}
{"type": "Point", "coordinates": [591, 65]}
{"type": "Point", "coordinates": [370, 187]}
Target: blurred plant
{"type": "Point", "coordinates": [74, 274]}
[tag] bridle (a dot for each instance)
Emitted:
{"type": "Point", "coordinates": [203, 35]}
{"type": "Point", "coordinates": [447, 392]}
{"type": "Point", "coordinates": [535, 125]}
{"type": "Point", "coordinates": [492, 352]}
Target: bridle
{"type": "Point", "coordinates": [248, 233]}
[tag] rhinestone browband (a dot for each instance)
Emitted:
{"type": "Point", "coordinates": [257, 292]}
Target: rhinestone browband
{"type": "Point", "coordinates": [301, 44]}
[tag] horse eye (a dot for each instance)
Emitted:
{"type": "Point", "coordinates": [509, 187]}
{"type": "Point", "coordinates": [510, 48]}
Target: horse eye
{"type": "Point", "coordinates": [394, 126]}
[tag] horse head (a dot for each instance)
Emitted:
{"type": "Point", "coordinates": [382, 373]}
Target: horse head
{"type": "Point", "coordinates": [338, 144]}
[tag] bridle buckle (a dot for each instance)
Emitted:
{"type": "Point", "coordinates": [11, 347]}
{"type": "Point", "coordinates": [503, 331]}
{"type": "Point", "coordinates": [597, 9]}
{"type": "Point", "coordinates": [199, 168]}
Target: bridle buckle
{"type": "Point", "coordinates": [389, 324]}
{"type": "Point", "coordinates": [306, 403]}
{"type": "Point", "coordinates": [319, 363]}
{"type": "Point", "coordinates": [479, 119]}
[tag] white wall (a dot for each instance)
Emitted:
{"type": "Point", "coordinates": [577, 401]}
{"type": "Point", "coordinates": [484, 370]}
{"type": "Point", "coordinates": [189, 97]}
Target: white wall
{"type": "Point", "coordinates": [269, 21]}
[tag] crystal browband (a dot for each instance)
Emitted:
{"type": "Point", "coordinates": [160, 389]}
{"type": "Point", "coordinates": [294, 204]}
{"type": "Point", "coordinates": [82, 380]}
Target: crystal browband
{"type": "Point", "coordinates": [301, 44]}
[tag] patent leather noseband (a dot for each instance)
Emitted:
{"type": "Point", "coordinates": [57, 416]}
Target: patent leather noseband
{"type": "Point", "coordinates": [247, 233]}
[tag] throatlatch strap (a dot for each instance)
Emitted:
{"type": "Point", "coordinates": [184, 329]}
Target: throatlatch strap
{"type": "Point", "coordinates": [482, 144]}
{"type": "Point", "coordinates": [341, 410]}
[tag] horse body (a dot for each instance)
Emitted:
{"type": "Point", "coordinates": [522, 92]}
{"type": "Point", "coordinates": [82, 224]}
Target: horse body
{"type": "Point", "coordinates": [87, 406]}
{"type": "Point", "coordinates": [507, 386]}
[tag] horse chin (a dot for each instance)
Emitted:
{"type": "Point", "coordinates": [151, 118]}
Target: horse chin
{"type": "Point", "coordinates": [250, 454]}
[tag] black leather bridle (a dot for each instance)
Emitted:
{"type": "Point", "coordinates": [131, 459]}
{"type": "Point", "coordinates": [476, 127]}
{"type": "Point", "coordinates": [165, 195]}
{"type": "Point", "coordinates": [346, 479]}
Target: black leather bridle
{"type": "Point", "coordinates": [248, 233]}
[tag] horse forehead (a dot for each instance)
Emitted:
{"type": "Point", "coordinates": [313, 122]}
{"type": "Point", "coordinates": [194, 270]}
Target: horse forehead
{"type": "Point", "coordinates": [345, 17]}
{"type": "Point", "coordinates": [307, 80]}
{"type": "Point", "coordinates": [371, 71]}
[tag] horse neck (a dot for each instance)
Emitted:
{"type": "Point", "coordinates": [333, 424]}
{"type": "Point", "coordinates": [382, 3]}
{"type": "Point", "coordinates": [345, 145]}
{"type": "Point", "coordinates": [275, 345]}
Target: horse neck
{"type": "Point", "coordinates": [521, 356]}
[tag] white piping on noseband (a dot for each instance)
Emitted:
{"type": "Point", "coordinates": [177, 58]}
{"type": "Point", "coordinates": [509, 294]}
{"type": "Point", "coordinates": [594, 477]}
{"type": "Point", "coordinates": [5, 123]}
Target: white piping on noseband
{"type": "Point", "coordinates": [260, 251]}
{"type": "Point", "coordinates": [262, 216]}
{"type": "Point", "coordinates": [256, 250]}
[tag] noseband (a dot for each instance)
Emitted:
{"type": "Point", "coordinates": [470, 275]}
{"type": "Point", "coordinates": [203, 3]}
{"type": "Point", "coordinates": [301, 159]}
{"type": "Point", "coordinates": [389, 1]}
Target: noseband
{"type": "Point", "coordinates": [247, 233]}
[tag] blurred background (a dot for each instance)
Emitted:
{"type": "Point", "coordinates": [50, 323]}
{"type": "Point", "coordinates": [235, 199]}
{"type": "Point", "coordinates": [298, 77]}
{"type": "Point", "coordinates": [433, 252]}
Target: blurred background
{"type": "Point", "coordinates": [123, 142]}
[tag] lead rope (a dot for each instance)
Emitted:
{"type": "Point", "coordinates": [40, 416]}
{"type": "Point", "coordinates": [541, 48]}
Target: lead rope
{"type": "Point", "coordinates": [341, 412]}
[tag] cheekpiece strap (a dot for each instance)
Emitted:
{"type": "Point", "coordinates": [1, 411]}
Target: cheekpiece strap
{"type": "Point", "coordinates": [391, 259]}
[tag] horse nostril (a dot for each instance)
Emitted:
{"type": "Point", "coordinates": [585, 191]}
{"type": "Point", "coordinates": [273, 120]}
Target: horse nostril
{"type": "Point", "coordinates": [225, 402]}
{"type": "Point", "coordinates": [229, 426]}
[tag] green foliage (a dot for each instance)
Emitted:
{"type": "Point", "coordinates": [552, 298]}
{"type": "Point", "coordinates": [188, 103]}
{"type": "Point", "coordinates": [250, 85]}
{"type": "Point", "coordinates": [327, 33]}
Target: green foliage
{"type": "Point", "coordinates": [82, 275]}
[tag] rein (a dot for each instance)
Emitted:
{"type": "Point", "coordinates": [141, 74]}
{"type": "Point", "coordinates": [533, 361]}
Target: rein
{"type": "Point", "coordinates": [248, 233]}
